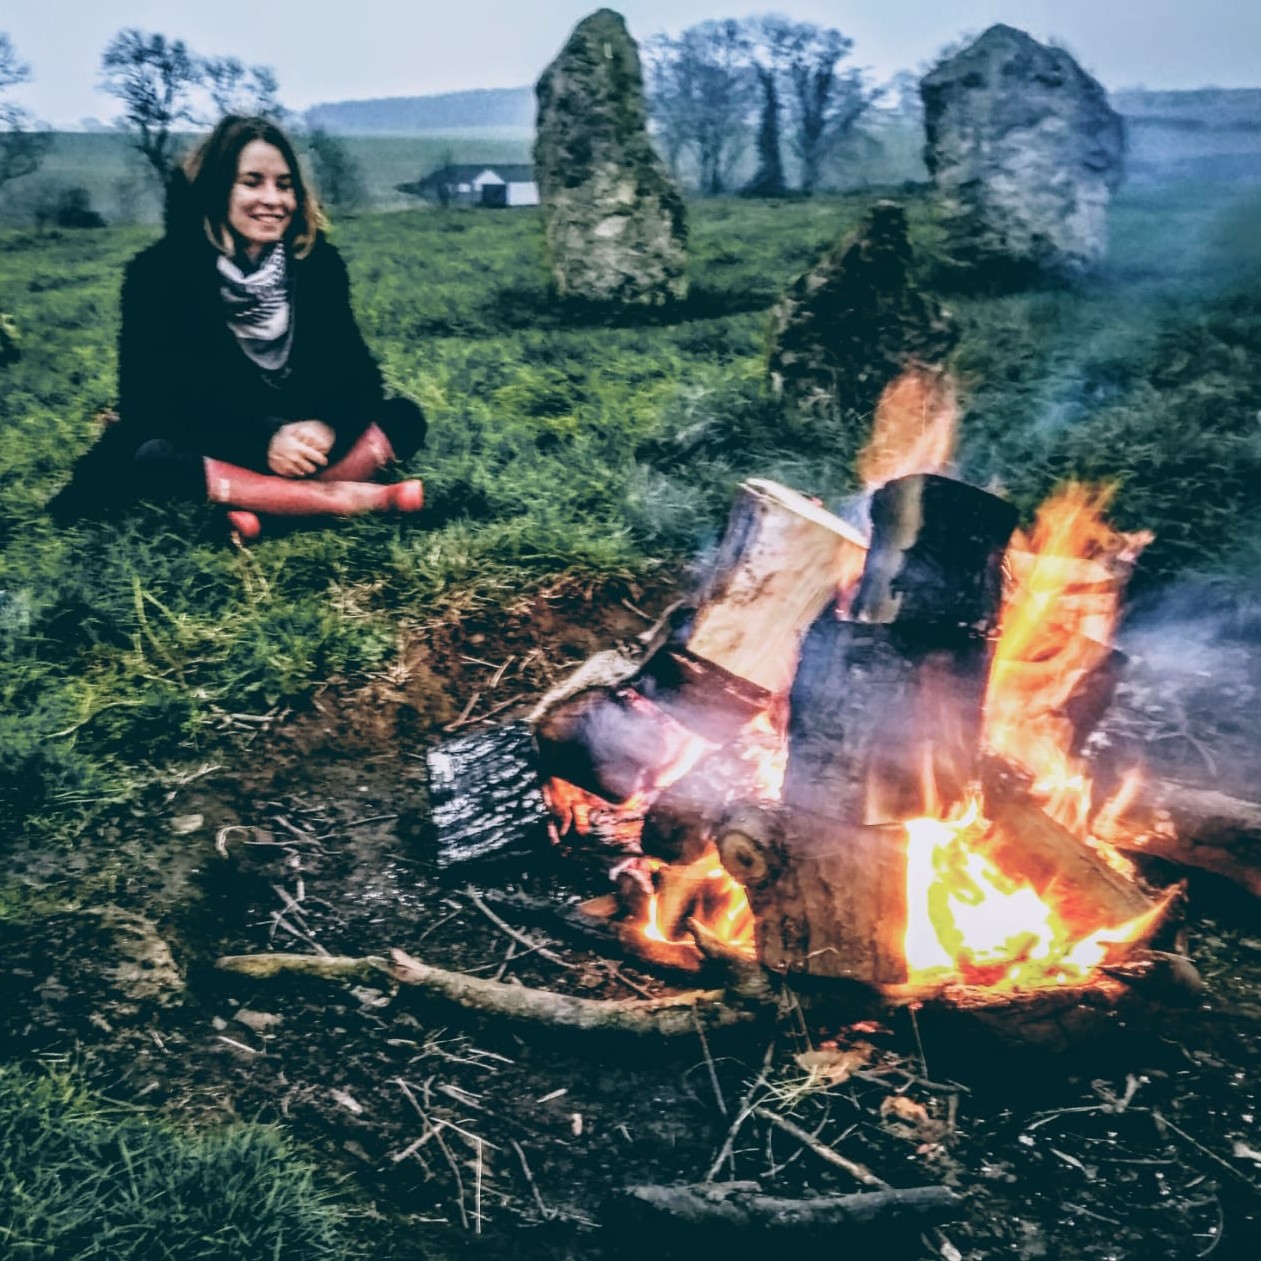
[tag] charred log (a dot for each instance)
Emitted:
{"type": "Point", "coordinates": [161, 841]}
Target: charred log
{"type": "Point", "coordinates": [890, 702]}
{"type": "Point", "coordinates": [680, 824]}
{"type": "Point", "coordinates": [486, 796]}
{"type": "Point", "coordinates": [742, 1206]}
{"type": "Point", "coordinates": [936, 555]}
{"type": "Point", "coordinates": [876, 707]}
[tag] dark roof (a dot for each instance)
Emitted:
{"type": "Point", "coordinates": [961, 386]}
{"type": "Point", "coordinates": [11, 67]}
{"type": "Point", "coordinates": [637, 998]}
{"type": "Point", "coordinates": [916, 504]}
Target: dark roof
{"type": "Point", "coordinates": [463, 172]}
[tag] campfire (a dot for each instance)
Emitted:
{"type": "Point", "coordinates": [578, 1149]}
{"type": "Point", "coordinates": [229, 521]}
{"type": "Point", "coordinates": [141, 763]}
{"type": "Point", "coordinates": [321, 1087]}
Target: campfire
{"type": "Point", "coordinates": [860, 754]}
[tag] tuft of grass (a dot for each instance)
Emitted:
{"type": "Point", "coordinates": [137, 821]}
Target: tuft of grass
{"type": "Point", "coordinates": [83, 1180]}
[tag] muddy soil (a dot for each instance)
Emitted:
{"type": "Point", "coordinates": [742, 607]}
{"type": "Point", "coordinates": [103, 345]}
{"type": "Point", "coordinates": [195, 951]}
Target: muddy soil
{"type": "Point", "coordinates": [1136, 1141]}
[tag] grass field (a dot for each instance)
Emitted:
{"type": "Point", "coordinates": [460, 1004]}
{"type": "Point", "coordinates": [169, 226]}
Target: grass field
{"type": "Point", "coordinates": [123, 189]}
{"type": "Point", "coordinates": [561, 443]}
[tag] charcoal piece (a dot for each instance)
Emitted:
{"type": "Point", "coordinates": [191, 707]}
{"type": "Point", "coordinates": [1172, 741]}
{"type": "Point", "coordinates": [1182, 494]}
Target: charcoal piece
{"type": "Point", "coordinates": [486, 796]}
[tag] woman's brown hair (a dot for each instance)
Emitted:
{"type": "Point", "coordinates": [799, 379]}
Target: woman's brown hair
{"type": "Point", "coordinates": [212, 170]}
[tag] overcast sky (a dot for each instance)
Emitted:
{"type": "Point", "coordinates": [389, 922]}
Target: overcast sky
{"type": "Point", "coordinates": [376, 48]}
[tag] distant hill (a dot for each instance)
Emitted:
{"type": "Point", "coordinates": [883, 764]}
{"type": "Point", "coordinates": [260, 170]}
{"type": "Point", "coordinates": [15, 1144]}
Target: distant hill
{"type": "Point", "coordinates": [448, 111]}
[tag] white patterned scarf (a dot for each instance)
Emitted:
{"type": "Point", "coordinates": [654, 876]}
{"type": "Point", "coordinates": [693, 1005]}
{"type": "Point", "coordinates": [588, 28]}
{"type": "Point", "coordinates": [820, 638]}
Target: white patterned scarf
{"type": "Point", "coordinates": [259, 311]}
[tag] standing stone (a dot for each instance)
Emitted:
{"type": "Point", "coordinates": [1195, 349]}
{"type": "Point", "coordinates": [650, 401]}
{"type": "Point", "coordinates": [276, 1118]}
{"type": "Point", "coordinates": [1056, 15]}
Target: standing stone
{"type": "Point", "coordinates": [854, 322]}
{"type": "Point", "coordinates": [615, 223]}
{"type": "Point", "coordinates": [1025, 153]}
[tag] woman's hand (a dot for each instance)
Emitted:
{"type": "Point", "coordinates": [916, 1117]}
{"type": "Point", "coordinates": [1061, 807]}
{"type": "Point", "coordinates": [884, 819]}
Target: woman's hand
{"type": "Point", "coordinates": [298, 449]}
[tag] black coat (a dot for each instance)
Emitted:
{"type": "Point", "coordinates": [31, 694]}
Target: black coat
{"type": "Point", "coordinates": [183, 378]}
{"type": "Point", "coordinates": [182, 375]}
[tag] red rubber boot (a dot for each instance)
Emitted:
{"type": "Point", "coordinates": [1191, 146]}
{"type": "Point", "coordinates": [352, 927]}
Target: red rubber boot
{"type": "Point", "coordinates": [369, 454]}
{"type": "Point", "coordinates": [289, 497]}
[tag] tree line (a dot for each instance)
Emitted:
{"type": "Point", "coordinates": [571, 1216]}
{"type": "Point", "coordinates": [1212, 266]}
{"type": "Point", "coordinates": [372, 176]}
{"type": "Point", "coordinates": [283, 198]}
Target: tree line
{"type": "Point", "coordinates": [167, 89]}
{"type": "Point", "coordinates": [768, 79]}
{"type": "Point", "coordinates": [780, 86]}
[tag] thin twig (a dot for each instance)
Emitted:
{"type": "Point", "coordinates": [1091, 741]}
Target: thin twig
{"type": "Point", "coordinates": [709, 1064]}
{"type": "Point", "coordinates": [464, 713]}
{"type": "Point", "coordinates": [516, 934]}
{"type": "Point", "coordinates": [1161, 1119]}
{"type": "Point", "coordinates": [860, 1173]}
{"type": "Point", "coordinates": [544, 1212]}
{"type": "Point", "coordinates": [743, 1113]}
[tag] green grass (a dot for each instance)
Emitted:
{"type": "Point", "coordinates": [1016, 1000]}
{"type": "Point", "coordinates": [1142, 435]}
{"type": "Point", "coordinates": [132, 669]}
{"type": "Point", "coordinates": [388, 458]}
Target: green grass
{"type": "Point", "coordinates": [82, 1180]}
{"type": "Point", "coordinates": [563, 439]}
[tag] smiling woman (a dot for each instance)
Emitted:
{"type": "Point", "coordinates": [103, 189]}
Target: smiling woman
{"type": "Point", "coordinates": [243, 377]}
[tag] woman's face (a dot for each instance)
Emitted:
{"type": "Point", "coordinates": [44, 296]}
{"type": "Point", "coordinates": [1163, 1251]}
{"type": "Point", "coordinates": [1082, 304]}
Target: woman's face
{"type": "Point", "coordinates": [262, 202]}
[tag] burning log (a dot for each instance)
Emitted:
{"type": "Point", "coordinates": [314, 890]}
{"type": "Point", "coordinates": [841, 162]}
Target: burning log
{"type": "Point", "coordinates": [895, 695]}
{"type": "Point", "coordinates": [1197, 828]}
{"type": "Point", "coordinates": [742, 1206]}
{"type": "Point", "coordinates": [1029, 845]}
{"type": "Point", "coordinates": [829, 897]}
{"type": "Point", "coordinates": [486, 797]}
{"type": "Point", "coordinates": [782, 560]}
{"type": "Point", "coordinates": [876, 713]}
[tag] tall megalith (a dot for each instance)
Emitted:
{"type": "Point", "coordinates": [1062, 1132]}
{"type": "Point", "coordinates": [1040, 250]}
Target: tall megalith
{"type": "Point", "coordinates": [614, 221]}
{"type": "Point", "coordinates": [1025, 153]}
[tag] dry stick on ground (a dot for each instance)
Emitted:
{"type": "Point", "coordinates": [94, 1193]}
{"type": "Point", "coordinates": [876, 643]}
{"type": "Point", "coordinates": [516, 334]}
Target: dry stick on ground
{"type": "Point", "coordinates": [860, 1173]}
{"type": "Point", "coordinates": [743, 1112]}
{"type": "Point", "coordinates": [670, 1016]}
{"type": "Point", "coordinates": [516, 934]}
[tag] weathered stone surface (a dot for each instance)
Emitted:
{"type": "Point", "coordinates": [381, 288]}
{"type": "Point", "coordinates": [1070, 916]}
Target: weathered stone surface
{"type": "Point", "coordinates": [855, 321]}
{"type": "Point", "coordinates": [1025, 153]}
{"type": "Point", "coordinates": [615, 222]}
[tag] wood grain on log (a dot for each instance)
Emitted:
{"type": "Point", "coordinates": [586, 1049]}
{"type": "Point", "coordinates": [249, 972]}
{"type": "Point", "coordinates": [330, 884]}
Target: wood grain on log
{"type": "Point", "coordinates": [782, 560]}
{"type": "Point", "coordinates": [829, 897]}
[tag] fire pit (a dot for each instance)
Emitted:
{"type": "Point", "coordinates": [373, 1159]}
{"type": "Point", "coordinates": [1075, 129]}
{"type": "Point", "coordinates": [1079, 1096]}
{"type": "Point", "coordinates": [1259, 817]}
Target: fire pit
{"type": "Point", "coordinates": [858, 756]}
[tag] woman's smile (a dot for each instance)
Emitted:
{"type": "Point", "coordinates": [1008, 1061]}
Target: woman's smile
{"type": "Point", "coordinates": [262, 202]}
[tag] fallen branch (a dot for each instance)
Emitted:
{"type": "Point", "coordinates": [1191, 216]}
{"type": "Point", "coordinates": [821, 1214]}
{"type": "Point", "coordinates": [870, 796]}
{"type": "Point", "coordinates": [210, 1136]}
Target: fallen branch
{"type": "Point", "coordinates": [743, 1206]}
{"type": "Point", "coordinates": [671, 1016]}
{"type": "Point", "coordinates": [327, 967]}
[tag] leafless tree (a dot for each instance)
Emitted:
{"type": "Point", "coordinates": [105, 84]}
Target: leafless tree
{"type": "Point", "coordinates": [22, 148]}
{"type": "Point", "coordinates": [702, 92]}
{"type": "Point", "coordinates": [155, 78]}
{"type": "Point", "coordinates": [165, 86]}
{"type": "Point", "coordinates": [826, 101]}
{"type": "Point", "coordinates": [235, 88]}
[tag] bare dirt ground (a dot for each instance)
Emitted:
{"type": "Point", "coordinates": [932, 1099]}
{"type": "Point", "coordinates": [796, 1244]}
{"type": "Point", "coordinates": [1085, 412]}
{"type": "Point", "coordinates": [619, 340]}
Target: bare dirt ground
{"type": "Point", "coordinates": [1137, 1142]}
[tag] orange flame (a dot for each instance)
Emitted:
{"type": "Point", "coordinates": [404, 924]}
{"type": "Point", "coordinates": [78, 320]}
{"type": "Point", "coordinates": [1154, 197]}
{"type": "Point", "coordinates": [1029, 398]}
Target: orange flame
{"type": "Point", "coordinates": [1060, 611]}
{"type": "Point", "coordinates": [914, 427]}
{"type": "Point", "coordinates": [968, 921]}
{"type": "Point", "coordinates": [966, 918]}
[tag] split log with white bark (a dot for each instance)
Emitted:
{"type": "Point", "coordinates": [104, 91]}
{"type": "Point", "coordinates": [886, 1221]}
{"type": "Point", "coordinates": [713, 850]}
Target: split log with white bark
{"type": "Point", "coordinates": [782, 560]}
